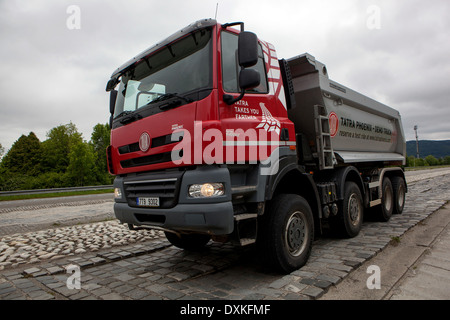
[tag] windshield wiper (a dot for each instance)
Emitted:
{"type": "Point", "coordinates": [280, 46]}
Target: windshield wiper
{"type": "Point", "coordinates": [132, 116]}
{"type": "Point", "coordinates": [168, 96]}
{"type": "Point", "coordinates": [123, 113]}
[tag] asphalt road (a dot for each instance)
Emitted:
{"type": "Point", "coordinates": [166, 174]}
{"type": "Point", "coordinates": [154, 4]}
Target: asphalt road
{"type": "Point", "coordinates": [39, 214]}
{"type": "Point", "coordinates": [17, 204]}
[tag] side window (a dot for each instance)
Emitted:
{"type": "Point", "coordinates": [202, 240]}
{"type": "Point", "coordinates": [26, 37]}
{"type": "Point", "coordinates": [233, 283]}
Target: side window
{"type": "Point", "coordinates": [230, 66]}
{"type": "Point", "coordinates": [260, 67]}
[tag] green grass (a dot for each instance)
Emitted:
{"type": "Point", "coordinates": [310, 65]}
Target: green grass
{"type": "Point", "coordinates": [395, 240]}
{"type": "Point", "coordinates": [54, 195]}
{"type": "Point", "coordinates": [425, 168]}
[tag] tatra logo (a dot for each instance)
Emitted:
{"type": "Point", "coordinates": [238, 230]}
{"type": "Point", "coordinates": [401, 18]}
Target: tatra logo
{"type": "Point", "coordinates": [268, 123]}
{"type": "Point", "coordinates": [334, 124]}
{"type": "Point", "coordinates": [144, 142]}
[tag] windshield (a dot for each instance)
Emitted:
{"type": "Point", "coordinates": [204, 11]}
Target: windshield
{"type": "Point", "coordinates": [180, 68]}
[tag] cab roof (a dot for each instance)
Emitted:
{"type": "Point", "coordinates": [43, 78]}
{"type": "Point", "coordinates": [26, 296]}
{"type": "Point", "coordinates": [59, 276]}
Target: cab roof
{"type": "Point", "coordinates": [200, 24]}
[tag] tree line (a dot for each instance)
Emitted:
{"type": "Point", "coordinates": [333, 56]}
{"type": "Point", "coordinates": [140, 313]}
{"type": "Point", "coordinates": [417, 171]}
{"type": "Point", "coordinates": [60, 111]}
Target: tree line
{"type": "Point", "coordinates": [65, 159]}
{"type": "Point", "coordinates": [429, 160]}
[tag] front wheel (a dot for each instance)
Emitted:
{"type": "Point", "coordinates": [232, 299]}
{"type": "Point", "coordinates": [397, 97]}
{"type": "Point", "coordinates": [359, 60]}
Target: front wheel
{"type": "Point", "coordinates": [287, 233]}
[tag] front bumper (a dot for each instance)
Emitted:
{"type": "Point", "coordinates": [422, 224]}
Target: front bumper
{"type": "Point", "coordinates": [213, 219]}
{"type": "Point", "coordinates": [209, 215]}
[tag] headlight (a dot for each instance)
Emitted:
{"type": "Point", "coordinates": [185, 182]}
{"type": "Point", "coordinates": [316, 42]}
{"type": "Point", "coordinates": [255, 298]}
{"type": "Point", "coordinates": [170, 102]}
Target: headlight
{"type": "Point", "coordinates": [206, 190]}
{"type": "Point", "coordinates": [117, 193]}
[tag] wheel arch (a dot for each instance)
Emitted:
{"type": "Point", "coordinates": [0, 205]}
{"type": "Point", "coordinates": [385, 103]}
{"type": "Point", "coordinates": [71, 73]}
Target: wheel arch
{"type": "Point", "coordinates": [293, 180]}
{"type": "Point", "coordinates": [394, 172]}
{"type": "Point", "coordinates": [343, 175]}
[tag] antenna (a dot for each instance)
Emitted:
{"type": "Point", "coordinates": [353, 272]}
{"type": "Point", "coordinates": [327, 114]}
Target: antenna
{"type": "Point", "coordinates": [217, 7]}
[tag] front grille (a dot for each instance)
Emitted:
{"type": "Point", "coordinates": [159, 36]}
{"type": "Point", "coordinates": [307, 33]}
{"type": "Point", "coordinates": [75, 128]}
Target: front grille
{"type": "Point", "coordinates": [147, 160]}
{"type": "Point", "coordinates": [134, 147]}
{"type": "Point", "coordinates": [165, 140]}
{"type": "Point", "coordinates": [156, 142]}
{"type": "Point", "coordinates": [165, 188]}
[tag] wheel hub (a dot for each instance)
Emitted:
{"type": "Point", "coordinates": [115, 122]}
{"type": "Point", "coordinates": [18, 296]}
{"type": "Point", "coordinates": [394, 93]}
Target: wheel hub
{"type": "Point", "coordinates": [354, 208]}
{"type": "Point", "coordinates": [296, 233]}
{"type": "Point", "coordinates": [401, 196]}
{"type": "Point", "coordinates": [387, 199]}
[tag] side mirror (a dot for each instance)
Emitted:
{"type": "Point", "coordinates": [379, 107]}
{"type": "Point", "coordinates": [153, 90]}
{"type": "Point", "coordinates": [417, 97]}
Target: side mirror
{"type": "Point", "coordinates": [112, 101]}
{"type": "Point", "coordinates": [248, 57]}
{"type": "Point", "coordinates": [249, 78]}
{"type": "Point", "coordinates": [111, 119]}
{"type": "Point", "coordinates": [111, 84]}
{"type": "Point", "coordinates": [247, 49]}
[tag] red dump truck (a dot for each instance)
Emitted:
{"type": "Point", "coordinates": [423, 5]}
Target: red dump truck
{"type": "Point", "coordinates": [215, 138]}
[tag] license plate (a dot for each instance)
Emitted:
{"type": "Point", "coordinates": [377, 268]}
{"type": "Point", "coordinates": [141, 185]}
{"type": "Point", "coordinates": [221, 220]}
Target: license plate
{"type": "Point", "coordinates": [147, 202]}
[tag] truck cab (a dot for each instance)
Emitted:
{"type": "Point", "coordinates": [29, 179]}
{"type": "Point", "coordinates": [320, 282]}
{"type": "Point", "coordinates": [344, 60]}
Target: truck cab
{"type": "Point", "coordinates": [173, 124]}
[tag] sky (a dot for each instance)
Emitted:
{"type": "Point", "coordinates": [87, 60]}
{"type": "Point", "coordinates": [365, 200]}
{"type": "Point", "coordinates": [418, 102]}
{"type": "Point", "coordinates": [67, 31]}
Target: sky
{"type": "Point", "coordinates": [56, 55]}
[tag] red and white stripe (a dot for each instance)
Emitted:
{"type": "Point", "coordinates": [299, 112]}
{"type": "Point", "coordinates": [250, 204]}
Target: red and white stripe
{"type": "Point", "coordinates": [273, 72]}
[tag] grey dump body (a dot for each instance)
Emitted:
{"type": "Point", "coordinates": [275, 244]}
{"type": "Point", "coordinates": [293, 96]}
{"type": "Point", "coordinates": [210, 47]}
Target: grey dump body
{"type": "Point", "coordinates": [339, 124]}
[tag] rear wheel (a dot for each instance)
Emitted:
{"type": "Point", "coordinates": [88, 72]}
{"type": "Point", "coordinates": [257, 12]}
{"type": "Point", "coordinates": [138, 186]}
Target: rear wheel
{"type": "Point", "coordinates": [387, 201]}
{"type": "Point", "coordinates": [190, 242]}
{"type": "Point", "coordinates": [399, 188]}
{"type": "Point", "coordinates": [287, 233]}
{"type": "Point", "coordinates": [349, 221]}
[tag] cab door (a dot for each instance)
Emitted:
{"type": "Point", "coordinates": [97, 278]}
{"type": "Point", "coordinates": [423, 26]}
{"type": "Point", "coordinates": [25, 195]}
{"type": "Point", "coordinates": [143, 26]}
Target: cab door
{"type": "Point", "coordinates": [251, 127]}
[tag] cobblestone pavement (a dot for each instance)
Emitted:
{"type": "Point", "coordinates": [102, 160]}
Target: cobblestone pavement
{"type": "Point", "coordinates": [115, 263]}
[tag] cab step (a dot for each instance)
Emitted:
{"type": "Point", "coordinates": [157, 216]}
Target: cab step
{"type": "Point", "coordinates": [246, 241]}
{"type": "Point", "coordinates": [245, 228]}
{"type": "Point", "coordinates": [244, 216]}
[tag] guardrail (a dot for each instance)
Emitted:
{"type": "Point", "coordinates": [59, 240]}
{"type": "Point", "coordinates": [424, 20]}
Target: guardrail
{"type": "Point", "coordinates": [55, 190]}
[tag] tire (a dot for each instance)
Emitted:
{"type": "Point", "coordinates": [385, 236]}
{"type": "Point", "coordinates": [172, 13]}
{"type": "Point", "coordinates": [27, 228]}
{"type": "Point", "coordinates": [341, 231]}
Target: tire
{"type": "Point", "coordinates": [349, 221]}
{"type": "Point", "coordinates": [287, 233]}
{"type": "Point", "coordinates": [386, 208]}
{"type": "Point", "coordinates": [190, 242]}
{"type": "Point", "coordinates": [399, 189]}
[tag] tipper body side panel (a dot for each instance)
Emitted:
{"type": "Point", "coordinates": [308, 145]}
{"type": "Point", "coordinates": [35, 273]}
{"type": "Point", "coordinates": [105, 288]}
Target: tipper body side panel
{"type": "Point", "coordinates": [360, 129]}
